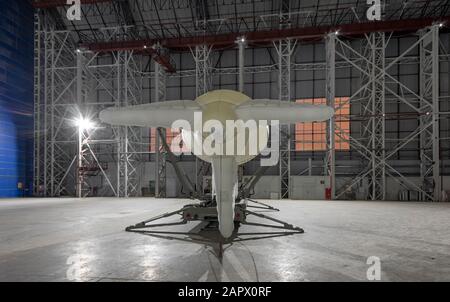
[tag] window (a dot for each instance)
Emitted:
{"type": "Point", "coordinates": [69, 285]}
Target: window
{"type": "Point", "coordinates": [311, 137]}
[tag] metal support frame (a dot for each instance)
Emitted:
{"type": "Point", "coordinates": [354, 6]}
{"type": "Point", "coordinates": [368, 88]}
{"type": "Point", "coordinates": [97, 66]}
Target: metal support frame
{"type": "Point", "coordinates": [429, 121]}
{"type": "Point", "coordinates": [203, 70]}
{"type": "Point", "coordinates": [330, 94]}
{"type": "Point", "coordinates": [60, 100]}
{"type": "Point", "coordinates": [203, 83]}
{"type": "Point", "coordinates": [285, 50]}
{"type": "Point", "coordinates": [377, 83]}
{"type": "Point", "coordinates": [370, 143]}
{"type": "Point", "coordinates": [373, 105]}
{"type": "Point", "coordinates": [39, 71]}
{"type": "Point", "coordinates": [56, 93]}
{"type": "Point", "coordinates": [68, 82]}
{"type": "Point", "coordinates": [160, 154]}
{"type": "Point", "coordinates": [204, 212]}
{"type": "Point", "coordinates": [88, 163]}
{"type": "Point", "coordinates": [241, 60]}
{"type": "Point", "coordinates": [130, 153]}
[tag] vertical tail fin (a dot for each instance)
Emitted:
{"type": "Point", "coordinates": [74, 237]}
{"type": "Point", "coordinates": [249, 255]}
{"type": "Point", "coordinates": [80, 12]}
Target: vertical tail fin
{"type": "Point", "coordinates": [225, 181]}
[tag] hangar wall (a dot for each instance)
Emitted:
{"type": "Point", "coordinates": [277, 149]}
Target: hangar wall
{"type": "Point", "coordinates": [16, 98]}
{"type": "Point", "coordinates": [308, 81]}
{"type": "Point", "coordinates": [311, 84]}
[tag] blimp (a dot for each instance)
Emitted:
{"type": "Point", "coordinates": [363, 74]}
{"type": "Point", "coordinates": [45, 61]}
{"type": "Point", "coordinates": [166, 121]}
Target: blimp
{"type": "Point", "coordinates": [223, 127]}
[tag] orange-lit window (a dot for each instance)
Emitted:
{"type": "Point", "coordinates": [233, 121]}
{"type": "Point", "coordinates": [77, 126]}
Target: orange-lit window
{"type": "Point", "coordinates": [312, 136]}
{"type": "Point", "coordinates": [172, 136]}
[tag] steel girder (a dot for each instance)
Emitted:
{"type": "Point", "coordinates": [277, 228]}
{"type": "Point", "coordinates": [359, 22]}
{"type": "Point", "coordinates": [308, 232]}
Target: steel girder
{"type": "Point", "coordinates": [369, 145]}
{"type": "Point", "coordinates": [130, 138]}
{"type": "Point", "coordinates": [430, 119]}
{"type": "Point", "coordinates": [285, 50]}
{"type": "Point", "coordinates": [39, 109]}
{"type": "Point", "coordinates": [60, 100]}
{"type": "Point", "coordinates": [160, 154]}
{"type": "Point", "coordinates": [330, 94]}
{"type": "Point", "coordinates": [203, 84]}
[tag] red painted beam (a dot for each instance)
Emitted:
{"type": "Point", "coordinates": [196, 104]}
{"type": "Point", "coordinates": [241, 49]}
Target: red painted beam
{"type": "Point", "coordinates": [306, 33]}
{"type": "Point", "coordinates": [58, 3]}
{"type": "Point", "coordinates": [164, 61]}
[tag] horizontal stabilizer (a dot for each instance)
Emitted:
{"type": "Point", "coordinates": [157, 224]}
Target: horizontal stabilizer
{"type": "Point", "coordinates": [285, 112]}
{"type": "Point", "coordinates": [161, 114]}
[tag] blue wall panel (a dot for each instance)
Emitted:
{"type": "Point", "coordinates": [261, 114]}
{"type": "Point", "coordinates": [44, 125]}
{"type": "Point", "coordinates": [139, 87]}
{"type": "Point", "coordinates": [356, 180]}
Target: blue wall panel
{"type": "Point", "coordinates": [16, 97]}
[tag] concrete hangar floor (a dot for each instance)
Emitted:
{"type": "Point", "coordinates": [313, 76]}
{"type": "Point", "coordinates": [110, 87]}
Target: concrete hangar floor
{"type": "Point", "coordinates": [68, 239]}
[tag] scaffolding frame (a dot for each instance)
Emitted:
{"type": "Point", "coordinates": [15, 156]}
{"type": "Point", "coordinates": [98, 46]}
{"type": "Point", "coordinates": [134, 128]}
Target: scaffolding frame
{"type": "Point", "coordinates": [68, 82]}
{"type": "Point", "coordinates": [203, 84]}
{"type": "Point", "coordinates": [160, 154]}
{"type": "Point", "coordinates": [429, 121]}
{"type": "Point", "coordinates": [330, 95]}
{"type": "Point", "coordinates": [371, 63]}
{"type": "Point", "coordinates": [285, 49]}
{"type": "Point", "coordinates": [65, 78]}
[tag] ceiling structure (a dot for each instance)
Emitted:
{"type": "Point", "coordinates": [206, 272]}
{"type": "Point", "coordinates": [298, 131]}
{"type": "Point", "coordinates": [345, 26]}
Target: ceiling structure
{"type": "Point", "coordinates": [181, 24]}
{"type": "Point", "coordinates": [166, 19]}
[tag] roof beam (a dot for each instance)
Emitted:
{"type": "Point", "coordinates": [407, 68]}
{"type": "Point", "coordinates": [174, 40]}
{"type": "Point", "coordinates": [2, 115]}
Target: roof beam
{"type": "Point", "coordinates": [59, 3]}
{"type": "Point", "coordinates": [305, 33]}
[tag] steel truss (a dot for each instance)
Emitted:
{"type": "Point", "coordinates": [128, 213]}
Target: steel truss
{"type": "Point", "coordinates": [97, 76]}
{"type": "Point", "coordinates": [203, 83]}
{"type": "Point", "coordinates": [285, 50]}
{"type": "Point", "coordinates": [160, 153]}
{"type": "Point", "coordinates": [130, 138]}
{"type": "Point", "coordinates": [87, 163]}
{"type": "Point", "coordinates": [429, 122]}
{"type": "Point", "coordinates": [39, 108]}
{"type": "Point", "coordinates": [59, 137]}
{"type": "Point", "coordinates": [59, 70]}
{"type": "Point", "coordinates": [330, 94]}
{"type": "Point", "coordinates": [376, 85]}
{"type": "Point", "coordinates": [68, 83]}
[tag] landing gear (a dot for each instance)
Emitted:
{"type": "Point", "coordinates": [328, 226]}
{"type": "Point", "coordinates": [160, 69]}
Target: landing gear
{"type": "Point", "coordinates": [207, 212]}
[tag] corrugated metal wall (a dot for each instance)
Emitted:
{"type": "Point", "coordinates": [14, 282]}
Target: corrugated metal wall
{"type": "Point", "coordinates": [16, 97]}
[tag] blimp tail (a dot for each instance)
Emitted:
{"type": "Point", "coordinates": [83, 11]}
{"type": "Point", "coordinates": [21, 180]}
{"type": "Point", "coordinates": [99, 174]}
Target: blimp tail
{"type": "Point", "coordinates": [284, 112]}
{"type": "Point", "coordinates": [161, 114]}
{"type": "Point", "coordinates": [225, 188]}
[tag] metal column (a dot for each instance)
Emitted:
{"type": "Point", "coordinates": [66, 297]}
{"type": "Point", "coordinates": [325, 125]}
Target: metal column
{"type": "Point", "coordinates": [203, 70]}
{"type": "Point", "coordinates": [59, 92]}
{"type": "Point", "coordinates": [429, 122]}
{"type": "Point", "coordinates": [373, 106]}
{"type": "Point", "coordinates": [160, 154]}
{"type": "Point", "coordinates": [285, 50]}
{"type": "Point", "coordinates": [241, 61]}
{"type": "Point", "coordinates": [330, 93]}
{"type": "Point", "coordinates": [203, 77]}
{"type": "Point", "coordinates": [130, 137]}
{"type": "Point", "coordinates": [39, 72]}
{"type": "Point", "coordinates": [370, 99]}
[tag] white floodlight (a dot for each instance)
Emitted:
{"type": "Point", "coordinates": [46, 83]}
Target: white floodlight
{"type": "Point", "coordinates": [241, 39]}
{"type": "Point", "coordinates": [84, 124]}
